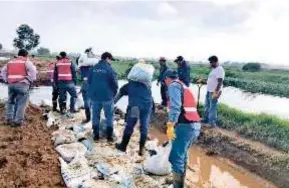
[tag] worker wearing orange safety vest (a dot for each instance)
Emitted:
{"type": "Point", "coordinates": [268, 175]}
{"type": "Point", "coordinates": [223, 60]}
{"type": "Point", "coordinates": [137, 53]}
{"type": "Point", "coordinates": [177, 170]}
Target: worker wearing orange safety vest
{"type": "Point", "coordinates": [65, 80]}
{"type": "Point", "coordinates": [55, 90]}
{"type": "Point", "coordinates": [19, 73]}
{"type": "Point", "coordinates": [183, 126]}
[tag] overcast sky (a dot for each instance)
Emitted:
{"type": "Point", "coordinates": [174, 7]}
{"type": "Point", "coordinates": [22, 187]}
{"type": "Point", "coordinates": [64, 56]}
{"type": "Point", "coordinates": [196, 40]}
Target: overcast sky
{"type": "Point", "coordinates": [231, 29]}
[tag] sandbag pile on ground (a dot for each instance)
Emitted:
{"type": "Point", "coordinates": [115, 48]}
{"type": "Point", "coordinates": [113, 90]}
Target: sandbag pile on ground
{"type": "Point", "coordinates": [85, 163]}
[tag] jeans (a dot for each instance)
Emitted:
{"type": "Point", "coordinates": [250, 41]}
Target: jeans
{"type": "Point", "coordinates": [17, 102]}
{"type": "Point", "coordinates": [164, 95]}
{"type": "Point", "coordinates": [84, 91]}
{"type": "Point", "coordinates": [64, 88]}
{"type": "Point", "coordinates": [210, 115]}
{"type": "Point", "coordinates": [186, 135]}
{"type": "Point", "coordinates": [135, 113]}
{"type": "Point", "coordinates": [108, 107]}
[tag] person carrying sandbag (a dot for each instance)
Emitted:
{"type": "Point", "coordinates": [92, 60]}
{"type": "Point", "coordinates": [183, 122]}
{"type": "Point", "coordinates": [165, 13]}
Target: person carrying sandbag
{"type": "Point", "coordinates": [183, 126]}
{"type": "Point", "coordinates": [142, 72]}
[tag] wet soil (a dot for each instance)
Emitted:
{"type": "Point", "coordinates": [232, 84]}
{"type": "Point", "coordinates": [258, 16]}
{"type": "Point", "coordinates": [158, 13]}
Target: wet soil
{"type": "Point", "coordinates": [258, 158]}
{"type": "Point", "coordinates": [27, 157]}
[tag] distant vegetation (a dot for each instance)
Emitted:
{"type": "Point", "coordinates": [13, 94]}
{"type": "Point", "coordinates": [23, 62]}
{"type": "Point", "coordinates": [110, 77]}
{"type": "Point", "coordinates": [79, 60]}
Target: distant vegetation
{"type": "Point", "coordinates": [43, 51]}
{"type": "Point", "coordinates": [1, 46]}
{"type": "Point", "coordinates": [252, 67]}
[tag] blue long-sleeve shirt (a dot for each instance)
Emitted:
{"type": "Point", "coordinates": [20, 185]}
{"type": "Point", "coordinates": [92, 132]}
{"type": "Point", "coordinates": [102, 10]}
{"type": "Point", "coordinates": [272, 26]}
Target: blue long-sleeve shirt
{"type": "Point", "coordinates": [138, 94]}
{"type": "Point", "coordinates": [175, 95]}
{"type": "Point", "coordinates": [102, 82]}
{"type": "Point", "coordinates": [73, 73]}
{"type": "Point", "coordinates": [184, 73]}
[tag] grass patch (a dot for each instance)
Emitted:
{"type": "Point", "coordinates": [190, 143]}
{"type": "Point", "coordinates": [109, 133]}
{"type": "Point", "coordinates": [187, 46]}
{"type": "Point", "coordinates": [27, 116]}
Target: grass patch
{"type": "Point", "coordinates": [265, 128]}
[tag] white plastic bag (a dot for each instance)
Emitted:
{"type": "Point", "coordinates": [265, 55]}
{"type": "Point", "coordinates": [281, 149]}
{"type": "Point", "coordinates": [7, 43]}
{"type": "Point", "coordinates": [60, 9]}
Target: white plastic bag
{"type": "Point", "coordinates": [159, 164]}
{"type": "Point", "coordinates": [79, 103]}
{"type": "Point", "coordinates": [69, 151]}
{"type": "Point", "coordinates": [76, 172]}
{"type": "Point", "coordinates": [142, 72]}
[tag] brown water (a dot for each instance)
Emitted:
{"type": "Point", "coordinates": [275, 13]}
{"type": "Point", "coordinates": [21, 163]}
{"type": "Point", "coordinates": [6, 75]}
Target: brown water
{"type": "Point", "coordinates": [213, 172]}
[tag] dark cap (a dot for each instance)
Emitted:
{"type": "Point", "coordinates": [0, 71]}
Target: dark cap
{"type": "Point", "coordinates": [170, 74]}
{"type": "Point", "coordinates": [213, 58]}
{"type": "Point", "coordinates": [162, 59]}
{"type": "Point", "coordinates": [179, 58]}
{"type": "Point", "coordinates": [106, 55]}
{"type": "Point", "coordinates": [23, 53]}
{"type": "Point", "coordinates": [62, 54]}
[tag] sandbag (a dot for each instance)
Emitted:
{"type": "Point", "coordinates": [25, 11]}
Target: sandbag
{"type": "Point", "coordinates": [142, 72]}
{"type": "Point", "coordinates": [79, 103]}
{"type": "Point", "coordinates": [69, 151]}
{"type": "Point", "coordinates": [159, 164]}
{"type": "Point", "coordinates": [76, 172]}
{"type": "Point", "coordinates": [63, 137]}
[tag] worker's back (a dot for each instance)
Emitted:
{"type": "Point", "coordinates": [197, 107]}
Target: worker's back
{"type": "Point", "coordinates": [102, 82]}
{"type": "Point", "coordinates": [139, 94]}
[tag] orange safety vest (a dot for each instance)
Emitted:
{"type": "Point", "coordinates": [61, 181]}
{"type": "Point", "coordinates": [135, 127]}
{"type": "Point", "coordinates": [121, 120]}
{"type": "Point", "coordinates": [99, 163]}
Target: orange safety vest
{"type": "Point", "coordinates": [64, 69]}
{"type": "Point", "coordinates": [189, 113]}
{"type": "Point", "coordinates": [16, 70]}
{"type": "Point", "coordinates": [51, 71]}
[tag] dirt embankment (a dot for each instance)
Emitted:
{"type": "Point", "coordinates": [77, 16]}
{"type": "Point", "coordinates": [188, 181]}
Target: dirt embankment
{"type": "Point", "coordinates": [27, 157]}
{"type": "Point", "coordinates": [267, 162]}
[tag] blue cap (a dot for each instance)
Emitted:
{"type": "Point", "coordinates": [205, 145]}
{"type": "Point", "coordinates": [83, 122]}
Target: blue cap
{"type": "Point", "coordinates": [169, 74]}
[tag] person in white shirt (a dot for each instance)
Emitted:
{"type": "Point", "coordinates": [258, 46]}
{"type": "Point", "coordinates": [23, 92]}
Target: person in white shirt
{"type": "Point", "coordinates": [214, 91]}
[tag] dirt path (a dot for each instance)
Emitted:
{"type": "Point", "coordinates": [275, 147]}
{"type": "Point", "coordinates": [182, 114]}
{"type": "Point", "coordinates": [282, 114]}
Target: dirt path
{"type": "Point", "coordinates": [258, 158]}
{"type": "Point", "coordinates": [27, 157]}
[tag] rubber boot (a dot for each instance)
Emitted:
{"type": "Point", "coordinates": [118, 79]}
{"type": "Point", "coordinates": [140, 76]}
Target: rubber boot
{"type": "Point", "coordinates": [109, 132]}
{"type": "Point", "coordinates": [87, 115]}
{"type": "Point", "coordinates": [95, 134]}
{"type": "Point", "coordinates": [122, 146]}
{"type": "Point", "coordinates": [62, 109]}
{"type": "Point", "coordinates": [54, 106]}
{"type": "Point", "coordinates": [141, 148]}
{"type": "Point", "coordinates": [178, 180]}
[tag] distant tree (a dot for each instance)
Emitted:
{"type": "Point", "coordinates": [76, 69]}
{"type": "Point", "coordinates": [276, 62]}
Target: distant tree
{"type": "Point", "coordinates": [26, 38]}
{"type": "Point", "coordinates": [43, 51]}
{"type": "Point", "coordinates": [1, 46]}
{"type": "Point", "coordinates": [252, 67]}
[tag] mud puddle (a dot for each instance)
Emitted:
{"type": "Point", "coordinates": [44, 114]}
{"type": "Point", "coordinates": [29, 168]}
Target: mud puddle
{"type": "Point", "coordinates": [212, 172]}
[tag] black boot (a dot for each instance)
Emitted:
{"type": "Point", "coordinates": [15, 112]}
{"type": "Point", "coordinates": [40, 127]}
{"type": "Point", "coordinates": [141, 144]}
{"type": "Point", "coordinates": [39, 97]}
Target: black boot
{"type": "Point", "coordinates": [87, 115]}
{"type": "Point", "coordinates": [141, 148]}
{"type": "Point", "coordinates": [122, 146]}
{"type": "Point", "coordinates": [54, 106]}
{"type": "Point", "coordinates": [95, 134]}
{"type": "Point", "coordinates": [178, 180]}
{"type": "Point", "coordinates": [109, 132]}
{"type": "Point", "coordinates": [62, 109]}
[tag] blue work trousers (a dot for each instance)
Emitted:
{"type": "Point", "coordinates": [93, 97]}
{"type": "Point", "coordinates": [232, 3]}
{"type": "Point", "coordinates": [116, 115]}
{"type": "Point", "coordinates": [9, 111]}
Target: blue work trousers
{"type": "Point", "coordinates": [18, 97]}
{"type": "Point", "coordinates": [64, 88]}
{"type": "Point", "coordinates": [84, 91]}
{"type": "Point", "coordinates": [135, 113]}
{"type": "Point", "coordinates": [186, 135]}
{"type": "Point", "coordinates": [211, 106]}
{"type": "Point", "coordinates": [108, 108]}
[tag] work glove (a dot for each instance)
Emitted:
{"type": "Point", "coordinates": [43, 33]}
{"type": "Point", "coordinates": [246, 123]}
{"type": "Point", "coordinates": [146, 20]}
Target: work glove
{"type": "Point", "coordinates": [171, 130]}
{"type": "Point", "coordinates": [216, 94]}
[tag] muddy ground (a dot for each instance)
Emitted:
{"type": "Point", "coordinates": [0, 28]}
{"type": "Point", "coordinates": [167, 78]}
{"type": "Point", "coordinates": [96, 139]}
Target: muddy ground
{"type": "Point", "coordinates": [260, 159]}
{"type": "Point", "coordinates": [27, 156]}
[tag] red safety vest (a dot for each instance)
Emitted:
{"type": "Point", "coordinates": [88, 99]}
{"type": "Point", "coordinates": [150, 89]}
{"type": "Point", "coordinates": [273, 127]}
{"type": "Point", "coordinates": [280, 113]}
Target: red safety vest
{"type": "Point", "coordinates": [51, 71]}
{"type": "Point", "coordinates": [189, 111]}
{"type": "Point", "coordinates": [16, 70]}
{"type": "Point", "coordinates": [64, 69]}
